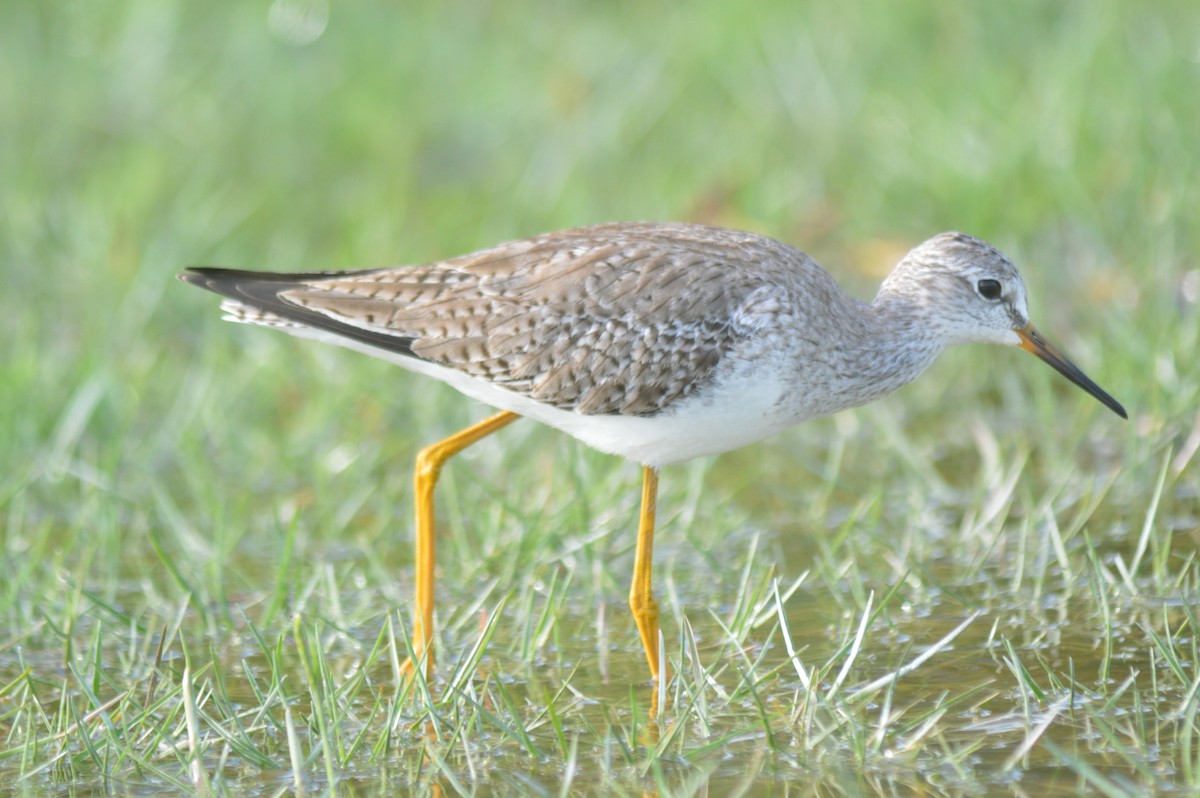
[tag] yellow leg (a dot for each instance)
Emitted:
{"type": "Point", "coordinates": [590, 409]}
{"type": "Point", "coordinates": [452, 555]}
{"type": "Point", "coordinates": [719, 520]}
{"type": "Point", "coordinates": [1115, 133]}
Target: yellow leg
{"type": "Point", "coordinates": [641, 597]}
{"type": "Point", "coordinates": [429, 464]}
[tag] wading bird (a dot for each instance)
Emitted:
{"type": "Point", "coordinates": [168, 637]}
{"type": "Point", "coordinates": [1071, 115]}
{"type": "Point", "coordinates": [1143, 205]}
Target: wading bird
{"type": "Point", "coordinates": [656, 342]}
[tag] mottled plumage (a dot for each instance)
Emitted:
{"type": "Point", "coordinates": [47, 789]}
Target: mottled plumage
{"type": "Point", "coordinates": [730, 335]}
{"type": "Point", "coordinates": [623, 318]}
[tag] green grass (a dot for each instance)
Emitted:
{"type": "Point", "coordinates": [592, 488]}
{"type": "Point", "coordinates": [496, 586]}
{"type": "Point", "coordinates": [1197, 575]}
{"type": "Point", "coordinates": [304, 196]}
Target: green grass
{"type": "Point", "coordinates": [984, 584]}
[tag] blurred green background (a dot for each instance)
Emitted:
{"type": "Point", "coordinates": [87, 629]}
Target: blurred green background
{"type": "Point", "coordinates": [152, 459]}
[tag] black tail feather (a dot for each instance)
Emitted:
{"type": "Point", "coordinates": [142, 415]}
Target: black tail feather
{"type": "Point", "coordinates": [262, 290]}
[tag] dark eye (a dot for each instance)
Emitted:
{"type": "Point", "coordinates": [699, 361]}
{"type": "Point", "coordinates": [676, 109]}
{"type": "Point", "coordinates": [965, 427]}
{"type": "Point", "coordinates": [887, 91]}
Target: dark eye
{"type": "Point", "coordinates": [988, 289]}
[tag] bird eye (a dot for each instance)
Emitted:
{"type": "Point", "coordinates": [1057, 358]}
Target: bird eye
{"type": "Point", "coordinates": [988, 289]}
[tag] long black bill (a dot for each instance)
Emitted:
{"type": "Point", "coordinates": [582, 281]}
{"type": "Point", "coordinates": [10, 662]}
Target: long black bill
{"type": "Point", "coordinates": [1032, 341]}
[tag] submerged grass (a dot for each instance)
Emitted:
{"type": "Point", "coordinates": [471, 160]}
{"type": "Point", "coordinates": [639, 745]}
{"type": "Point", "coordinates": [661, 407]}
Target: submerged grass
{"type": "Point", "coordinates": [984, 584]}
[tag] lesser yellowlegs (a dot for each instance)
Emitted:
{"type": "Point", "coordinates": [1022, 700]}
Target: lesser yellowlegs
{"type": "Point", "coordinates": [656, 342]}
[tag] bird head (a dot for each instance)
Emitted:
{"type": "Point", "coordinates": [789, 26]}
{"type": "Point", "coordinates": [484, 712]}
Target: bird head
{"type": "Point", "coordinates": [964, 290]}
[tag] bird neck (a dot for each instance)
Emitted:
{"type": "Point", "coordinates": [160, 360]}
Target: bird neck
{"type": "Point", "coordinates": [896, 344]}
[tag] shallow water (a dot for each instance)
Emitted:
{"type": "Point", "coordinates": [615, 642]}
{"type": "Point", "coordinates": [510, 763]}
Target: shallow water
{"type": "Point", "coordinates": [950, 726]}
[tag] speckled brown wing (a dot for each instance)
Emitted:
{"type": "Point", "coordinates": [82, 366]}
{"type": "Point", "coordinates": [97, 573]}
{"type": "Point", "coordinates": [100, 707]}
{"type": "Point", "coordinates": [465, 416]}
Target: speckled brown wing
{"type": "Point", "coordinates": [623, 318]}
